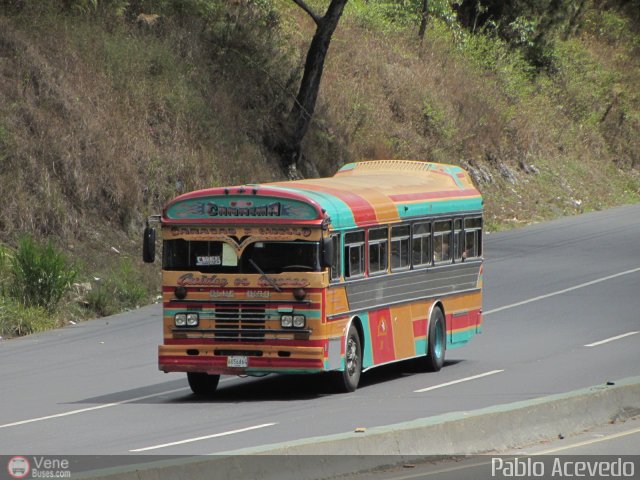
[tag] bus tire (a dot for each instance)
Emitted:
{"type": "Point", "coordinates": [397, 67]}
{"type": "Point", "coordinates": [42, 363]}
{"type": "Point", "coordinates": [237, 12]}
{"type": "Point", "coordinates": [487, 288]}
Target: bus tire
{"type": "Point", "coordinates": [437, 344]}
{"type": "Point", "coordinates": [347, 380]}
{"type": "Point", "coordinates": [203, 384]}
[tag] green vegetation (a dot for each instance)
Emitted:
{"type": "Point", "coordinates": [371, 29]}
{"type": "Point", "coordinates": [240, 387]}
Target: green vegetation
{"type": "Point", "coordinates": [33, 280]}
{"type": "Point", "coordinates": [123, 288]}
{"type": "Point", "coordinates": [40, 289]}
{"type": "Point", "coordinates": [39, 275]}
{"type": "Point", "coordinates": [17, 320]}
{"type": "Point", "coordinates": [105, 116]}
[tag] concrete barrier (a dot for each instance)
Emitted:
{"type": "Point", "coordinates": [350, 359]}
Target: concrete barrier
{"type": "Point", "coordinates": [487, 430]}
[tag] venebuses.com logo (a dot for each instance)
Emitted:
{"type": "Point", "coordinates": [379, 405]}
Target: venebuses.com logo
{"type": "Point", "coordinates": [38, 467]}
{"type": "Point", "coordinates": [18, 467]}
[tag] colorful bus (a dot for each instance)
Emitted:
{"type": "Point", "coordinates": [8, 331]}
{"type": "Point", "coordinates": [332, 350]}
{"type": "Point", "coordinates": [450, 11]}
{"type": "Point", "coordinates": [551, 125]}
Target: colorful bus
{"type": "Point", "coordinates": [380, 263]}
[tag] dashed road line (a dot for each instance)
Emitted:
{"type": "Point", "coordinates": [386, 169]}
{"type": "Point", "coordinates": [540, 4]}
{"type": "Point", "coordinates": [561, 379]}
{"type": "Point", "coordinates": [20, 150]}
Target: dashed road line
{"type": "Point", "coordinates": [560, 292]}
{"type": "Point", "coordinates": [89, 409]}
{"type": "Point", "coordinates": [97, 407]}
{"type": "Point", "coordinates": [205, 437]}
{"type": "Point", "coordinates": [611, 339]}
{"type": "Point", "coordinates": [466, 379]}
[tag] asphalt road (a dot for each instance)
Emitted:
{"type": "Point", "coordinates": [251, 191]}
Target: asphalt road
{"type": "Point", "coordinates": [553, 293]}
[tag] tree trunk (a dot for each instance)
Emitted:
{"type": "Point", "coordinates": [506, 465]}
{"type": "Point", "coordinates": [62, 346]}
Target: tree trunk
{"type": "Point", "coordinates": [299, 118]}
{"type": "Point", "coordinates": [424, 12]}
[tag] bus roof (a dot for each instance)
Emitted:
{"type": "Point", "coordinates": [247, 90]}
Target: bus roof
{"type": "Point", "coordinates": [359, 194]}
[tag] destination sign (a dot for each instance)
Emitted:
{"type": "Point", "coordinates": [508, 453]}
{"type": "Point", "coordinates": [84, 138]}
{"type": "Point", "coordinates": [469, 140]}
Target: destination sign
{"type": "Point", "coordinates": [242, 206]}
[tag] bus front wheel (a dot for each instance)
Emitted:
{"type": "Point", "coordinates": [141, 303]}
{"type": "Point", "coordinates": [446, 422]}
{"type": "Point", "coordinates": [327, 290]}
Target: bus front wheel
{"type": "Point", "coordinates": [203, 384]}
{"type": "Point", "coordinates": [347, 380]}
{"type": "Point", "coordinates": [437, 343]}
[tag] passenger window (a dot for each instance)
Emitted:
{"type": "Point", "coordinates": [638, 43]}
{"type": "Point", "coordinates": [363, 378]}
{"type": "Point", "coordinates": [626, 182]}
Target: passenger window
{"type": "Point", "coordinates": [458, 240]}
{"type": "Point", "coordinates": [378, 242]}
{"type": "Point", "coordinates": [400, 237]}
{"type": "Point", "coordinates": [421, 244]}
{"type": "Point", "coordinates": [473, 237]}
{"type": "Point", "coordinates": [442, 241]}
{"type": "Point", "coordinates": [354, 254]}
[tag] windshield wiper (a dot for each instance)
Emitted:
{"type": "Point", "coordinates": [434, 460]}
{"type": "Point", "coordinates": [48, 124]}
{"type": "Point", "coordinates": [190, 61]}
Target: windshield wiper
{"type": "Point", "coordinates": [264, 275]}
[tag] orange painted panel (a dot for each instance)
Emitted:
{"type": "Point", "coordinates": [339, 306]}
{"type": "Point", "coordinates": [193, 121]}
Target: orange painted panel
{"type": "Point", "coordinates": [401, 320]}
{"type": "Point", "coordinates": [337, 300]}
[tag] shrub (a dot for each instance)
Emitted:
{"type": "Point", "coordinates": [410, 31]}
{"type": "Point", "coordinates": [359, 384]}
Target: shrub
{"type": "Point", "coordinates": [39, 275]}
{"type": "Point", "coordinates": [17, 320]}
{"type": "Point", "coordinates": [123, 288]}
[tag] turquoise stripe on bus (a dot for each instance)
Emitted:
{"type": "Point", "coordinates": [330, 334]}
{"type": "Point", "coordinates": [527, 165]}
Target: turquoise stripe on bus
{"type": "Point", "coordinates": [206, 312]}
{"type": "Point", "coordinates": [348, 166]}
{"type": "Point", "coordinates": [367, 351]}
{"type": "Point", "coordinates": [421, 346]}
{"type": "Point", "coordinates": [339, 212]}
{"type": "Point", "coordinates": [433, 208]}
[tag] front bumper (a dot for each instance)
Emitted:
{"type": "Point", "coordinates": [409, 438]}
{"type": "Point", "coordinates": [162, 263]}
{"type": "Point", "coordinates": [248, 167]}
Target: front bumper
{"type": "Point", "coordinates": [213, 359]}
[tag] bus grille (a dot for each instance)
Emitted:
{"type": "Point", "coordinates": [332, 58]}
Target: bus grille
{"type": "Point", "coordinates": [239, 322]}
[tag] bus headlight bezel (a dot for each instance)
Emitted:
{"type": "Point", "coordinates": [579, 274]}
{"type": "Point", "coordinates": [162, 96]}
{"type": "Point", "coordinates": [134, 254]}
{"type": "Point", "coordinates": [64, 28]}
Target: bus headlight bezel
{"type": "Point", "coordinates": [286, 321]}
{"type": "Point", "coordinates": [294, 321]}
{"type": "Point", "coordinates": [299, 321]}
{"type": "Point", "coordinates": [186, 320]}
{"type": "Point", "coordinates": [180, 320]}
{"type": "Point", "coordinates": [193, 319]}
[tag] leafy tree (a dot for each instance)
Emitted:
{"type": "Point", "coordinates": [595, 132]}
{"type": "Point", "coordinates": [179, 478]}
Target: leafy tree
{"type": "Point", "coordinates": [527, 24]}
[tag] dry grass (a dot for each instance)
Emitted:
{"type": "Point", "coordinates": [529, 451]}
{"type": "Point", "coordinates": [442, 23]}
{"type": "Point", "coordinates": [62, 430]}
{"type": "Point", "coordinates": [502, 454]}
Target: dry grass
{"type": "Point", "coordinates": [101, 123]}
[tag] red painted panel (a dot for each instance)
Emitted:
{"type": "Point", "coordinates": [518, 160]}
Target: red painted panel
{"type": "Point", "coordinates": [229, 343]}
{"type": "Point", "coordinates": [420, 328]}
{"type": "Point", "coordinates": [381, 329]}
{"type": "Point", "coordinates": [363, 211]}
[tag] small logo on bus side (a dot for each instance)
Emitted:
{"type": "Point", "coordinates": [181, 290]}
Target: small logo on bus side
{"type": "Point", "coordinates": [18, 467]}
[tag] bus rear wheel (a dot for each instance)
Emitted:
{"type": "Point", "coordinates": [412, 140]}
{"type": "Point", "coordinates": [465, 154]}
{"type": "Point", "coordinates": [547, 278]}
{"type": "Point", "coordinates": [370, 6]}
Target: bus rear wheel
{"type": "Point", "coordinates": [347, 380]}
{"type": "Point", "coordinates": [203, 384]}
{"type": "Point", "coordinates": [437, 344]}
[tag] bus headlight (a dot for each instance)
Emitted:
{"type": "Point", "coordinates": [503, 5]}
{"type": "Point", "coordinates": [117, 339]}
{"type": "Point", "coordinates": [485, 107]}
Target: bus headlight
{"type": "Point", "coordinates": [180, 319]}
{"type": "Point", "coordinates": [292, 321]}
{"type": "Point", "coordinates": [286, 321]}
{"type": "Point", "coordinates": [298, 321]}
{"type": "Point", "coordinates": [192, 319]}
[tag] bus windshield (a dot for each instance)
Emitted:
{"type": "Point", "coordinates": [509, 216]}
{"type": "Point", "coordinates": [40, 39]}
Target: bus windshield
{"type": "Point", "coordinates": [219, 257]}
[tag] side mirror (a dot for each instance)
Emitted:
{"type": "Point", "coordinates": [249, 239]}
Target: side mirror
{"type": "Point", "coordinates": [149, 245]}
{"type": "Point", "coordinates": [327, 252]}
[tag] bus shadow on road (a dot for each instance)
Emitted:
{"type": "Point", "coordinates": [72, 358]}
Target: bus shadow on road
{"type": "Point", "coordinates": [394, 371]}
{"type": "Point", "coordinates": [272, 387]}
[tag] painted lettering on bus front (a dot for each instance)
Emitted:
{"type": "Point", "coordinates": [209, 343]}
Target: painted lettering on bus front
{"type": "Point", "coordinates": [271, 210]}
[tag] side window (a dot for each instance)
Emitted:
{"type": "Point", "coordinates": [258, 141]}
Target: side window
{"type": "Point", "coordinates": [458, 240]}
{"type": "Point", "coordinates": [421, 244]}
{"type": "Point", "coordinates": [378, 249]}
{"type": "Point", "coordinates": [442, 241]}
{"type": "Point", "coordinates": [354, 254]}
{"type": "Point", "coordinates": [473, 237]}
{"type": "Point", "coordinates": [335, 262]}
{"type": "Point", "coordinates": [400, 237]}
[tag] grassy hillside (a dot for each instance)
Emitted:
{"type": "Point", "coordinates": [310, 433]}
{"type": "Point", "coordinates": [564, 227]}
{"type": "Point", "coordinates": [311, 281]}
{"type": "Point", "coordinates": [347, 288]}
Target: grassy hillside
{"type": "Point", "coordinates": [103, 119]}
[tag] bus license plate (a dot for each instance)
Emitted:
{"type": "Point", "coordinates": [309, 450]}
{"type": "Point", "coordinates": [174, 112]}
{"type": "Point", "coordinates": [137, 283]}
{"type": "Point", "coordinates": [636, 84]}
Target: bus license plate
{"type": "Point", "coordinates": [238, 361]}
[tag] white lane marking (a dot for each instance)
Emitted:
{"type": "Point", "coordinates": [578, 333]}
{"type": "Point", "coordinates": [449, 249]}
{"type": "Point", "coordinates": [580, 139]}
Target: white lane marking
{"type": "Point", "coordinates": [560, 292]}
{"type": "Point", "coordinates": [89, 409]}
{"type": "Point", "coordinates": [99, 407]}
{"type": "Point", "coordinates": [607, 340]}
{"type": "Point", "coordinates": [605, 438]}
{"type": "Point", "coordinates": [206, 437]}
{"type": "Point", "coordinates": [486, 374]}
